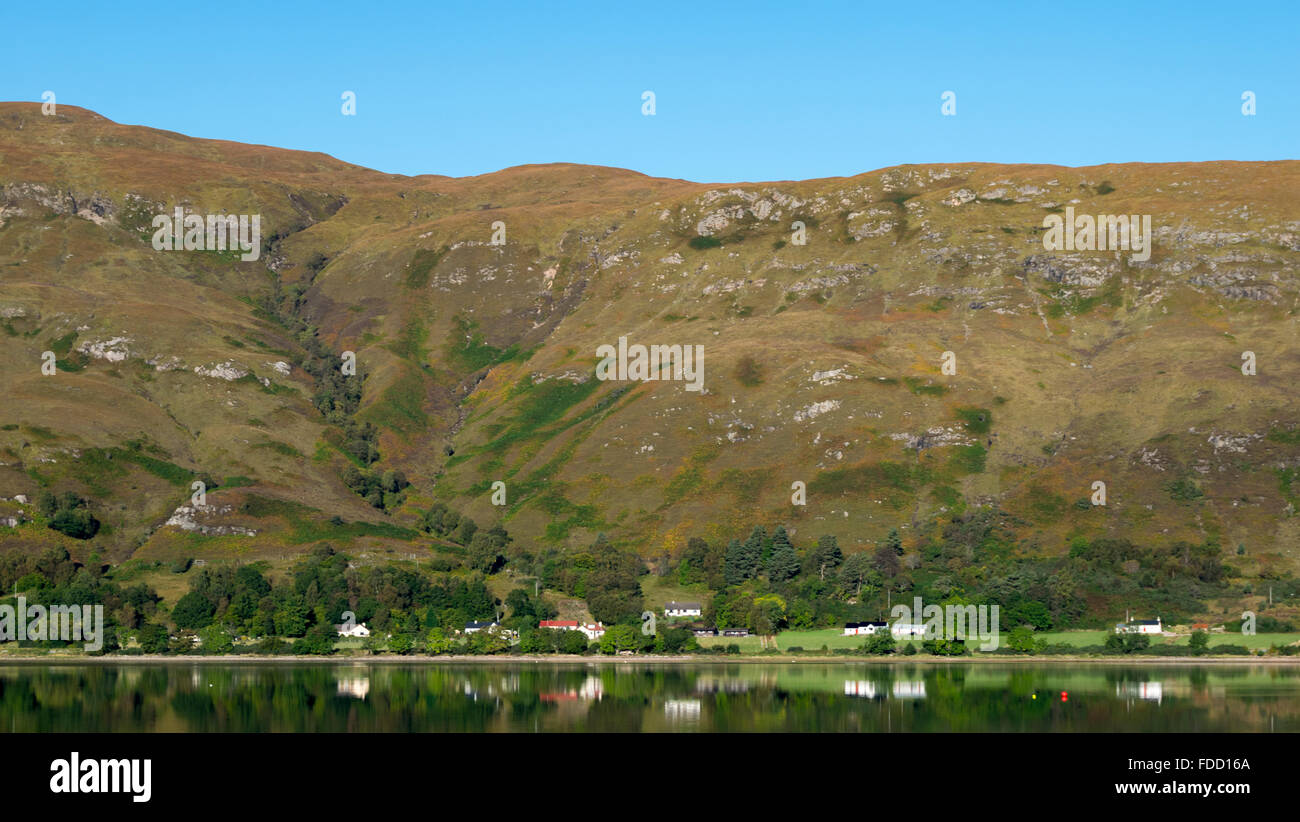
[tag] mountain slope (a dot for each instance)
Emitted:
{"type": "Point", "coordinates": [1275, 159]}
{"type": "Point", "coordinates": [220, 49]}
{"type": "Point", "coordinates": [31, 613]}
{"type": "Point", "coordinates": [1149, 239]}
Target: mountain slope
{"type": "Point", "coordinates": [822, 362]}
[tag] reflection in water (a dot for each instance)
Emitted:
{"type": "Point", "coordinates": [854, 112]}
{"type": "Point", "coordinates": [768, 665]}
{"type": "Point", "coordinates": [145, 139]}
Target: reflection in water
{"type": "Point", "coordinates": [354, 686]}
{"type": "Point", "coordinates": [860, 687]}
{"type": "Point", "coordinates": [1153, 691]}
{"type": "Point", "coordinates": [909, 689]}
{"type": "Point", "coordinates": [591, 688]}
{"type": "Point", "coordinates": [682, 711]}
{"type": "Point", "coordinates": [593, 696]}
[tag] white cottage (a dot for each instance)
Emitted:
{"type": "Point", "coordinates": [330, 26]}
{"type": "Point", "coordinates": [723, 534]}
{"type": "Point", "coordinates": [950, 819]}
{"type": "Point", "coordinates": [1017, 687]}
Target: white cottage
{"type": "Point", "coordinates": [353, 629]}
{"type": "Point", "coordinates": [683, 609]}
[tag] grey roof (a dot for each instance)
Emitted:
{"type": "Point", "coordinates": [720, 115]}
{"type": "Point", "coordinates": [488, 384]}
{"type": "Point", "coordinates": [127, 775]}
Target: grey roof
{"type": "Point", "coordinates": [683, 606]}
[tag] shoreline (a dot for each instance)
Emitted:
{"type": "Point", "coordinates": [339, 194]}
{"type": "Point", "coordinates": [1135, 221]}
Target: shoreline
{"type": "Point", "coordinates": [561, 659]}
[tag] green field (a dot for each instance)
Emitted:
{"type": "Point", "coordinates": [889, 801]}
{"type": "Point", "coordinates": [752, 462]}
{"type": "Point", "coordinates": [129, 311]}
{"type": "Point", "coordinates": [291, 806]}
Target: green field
{"type": "Point", "coordinates": [833, 638]}
{"type": "Point", "coordinates": [1083, 638]}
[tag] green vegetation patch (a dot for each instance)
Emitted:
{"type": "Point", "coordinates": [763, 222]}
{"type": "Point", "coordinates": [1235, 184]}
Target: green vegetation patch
{"type": "Point", "coordinates": [281, 448]}
{"type": "Point", "coordinates": [746, 483]}
{"type": "Point", "coordinates": [1046, 506]}
{"type": "Point", "coordinates": [549, 400]}
{"type": "Point", "coordinates": [467, 349]}
{"type": "Point", "coordinates": [410, 343]}
{"type": "Point", "coordinates": [566, 516]}
{"type": "Point", "coordinates": [401, 406]}
{"type": "Point", "coordinates": [96, 467]}
{"type": "Point", "coordinates": [308, 524]}
{"type": "Point", "coordinates": [969, 459]}
{"type": "Point", "coordinates": [422, 266]}
{"type": "Point", "coordinates": [748, 371]}
{"type": "Point", "coordinates": [1285, 437]}
{"type": "Point", "coordinates": [1286, 480]}
{"type": "Point", "coordinates": [690, 478]}
{"type": "Point", "coordinates": [63, 345]}
{"type": "Point", "coordinates": [892, 477]}
{"type": "Point", "coordinates": [920, 387]}
{"type": "Point", "coordinates": [1184, 489]}
{"type": "Point", "coordinates": [975, 420]}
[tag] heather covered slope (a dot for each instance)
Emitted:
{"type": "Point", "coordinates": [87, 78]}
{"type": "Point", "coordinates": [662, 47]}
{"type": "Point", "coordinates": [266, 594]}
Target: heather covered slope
{"type": "Point", "coordinates": [821, 361]}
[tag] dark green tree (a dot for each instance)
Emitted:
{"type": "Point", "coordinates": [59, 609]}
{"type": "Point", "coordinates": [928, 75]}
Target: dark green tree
{"type": "Point", "coordinates": [826, 555]}
{"type": "Point", "coordinates": [753, 551]}
{"type": "Point", "coordinates": [193, 611]}
{"type": "Point", "coordinates": [784, 563]}
{"type": "Point", "coordinates": [735, 569]}
{"type": "Point", "coordinates": [894, 542]}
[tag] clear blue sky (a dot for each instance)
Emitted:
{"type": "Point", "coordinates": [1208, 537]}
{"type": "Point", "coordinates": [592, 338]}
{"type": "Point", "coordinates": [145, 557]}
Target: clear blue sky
{"type": "Point", "coordinates": [750, 91]}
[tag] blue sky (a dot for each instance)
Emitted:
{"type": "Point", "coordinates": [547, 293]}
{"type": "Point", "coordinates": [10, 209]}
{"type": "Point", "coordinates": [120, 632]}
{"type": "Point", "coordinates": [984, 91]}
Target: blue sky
{"type": "Point", "coordinates": [746, 91]}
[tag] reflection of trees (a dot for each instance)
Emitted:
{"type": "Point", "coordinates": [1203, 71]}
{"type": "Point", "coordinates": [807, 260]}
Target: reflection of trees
{"type": "Point", "coordinates": [629, 697]}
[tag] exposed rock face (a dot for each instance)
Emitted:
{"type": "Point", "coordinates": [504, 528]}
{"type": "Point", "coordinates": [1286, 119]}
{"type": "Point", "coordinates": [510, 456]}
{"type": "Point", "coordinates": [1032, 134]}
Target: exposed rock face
{"type": "Point", "coordinates": [227, 370]}
{"type": "Point", "coordinates": [92, 206]}
{"type": "Point", "coordinates": [815, 410]}
{"type": "Point", "coordinates": [1071, 270]}
{"type": "Point", "coordinates": [112, 350]}
{"type": "Point", "coordinates": [960, 197]}
{"type": "Point", "coordinates": [187, 518]}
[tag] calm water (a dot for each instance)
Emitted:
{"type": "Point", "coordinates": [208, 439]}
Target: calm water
{"type": "Point", "coordinates": [608, 697]}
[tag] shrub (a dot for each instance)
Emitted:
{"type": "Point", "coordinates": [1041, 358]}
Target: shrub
{"type": "Point", "coordinates": [68, 514]}
{"type": "Point", "coordinates": [193, 611]}
{"type": "Point", "coordinates": [271, 646]}
{"type": "Point", "coordinates": [153, 638]}
{"type": "Point", "coordinates": [879, 644]}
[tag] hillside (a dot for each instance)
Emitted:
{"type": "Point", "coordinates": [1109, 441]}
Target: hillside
{"type": "Point", "coordinates": [476, 362]}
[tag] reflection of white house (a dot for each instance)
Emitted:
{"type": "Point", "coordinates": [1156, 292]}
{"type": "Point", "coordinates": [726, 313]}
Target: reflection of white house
{"type": "Point", "coordinates": [860, 687]}
{"type": "Point", "coordinates": [1153, 691]}
{"type": "Point", "coordinates": [353, 629]}
{"type": "Point", "coordinates": [683, 609]}
{"type": "Point", "coordinates": [864, 628]}
{"type": "Point", "coordinates": [682, 709]}
{"type": "Point", "coordinates": [592, 688]}
{"type": "Point", "coordinates": [1140, 626]}
{"type": "Point", "coordinates": [356, 687]}
{"type": "Point", "coordinates": [716, 685]}
{"type": "Point", "coordinates": [907, 630]}
{"type": "Point", "coordinates": [909, 689]}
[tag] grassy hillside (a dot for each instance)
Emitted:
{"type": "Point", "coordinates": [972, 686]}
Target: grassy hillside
{"type": "Point", "coordinates": [475, 362]}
